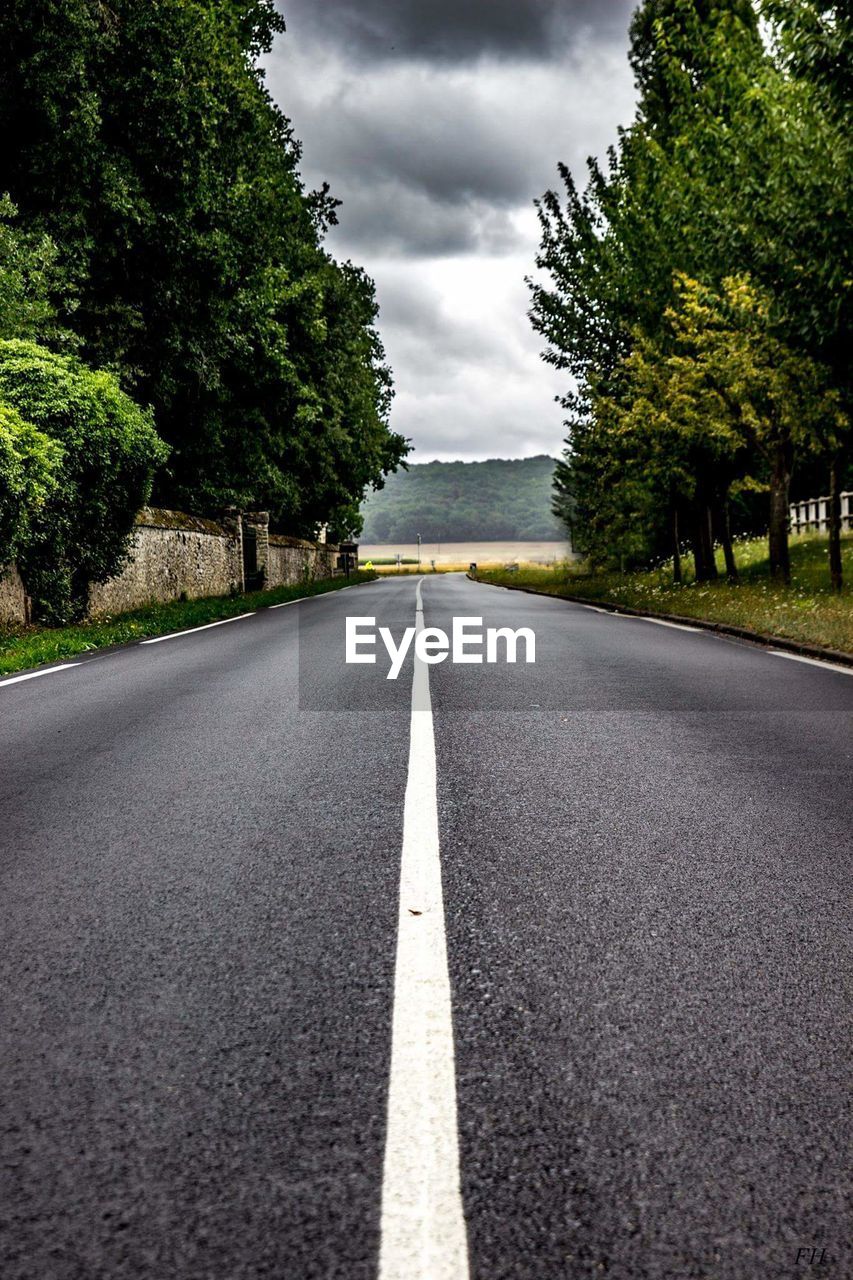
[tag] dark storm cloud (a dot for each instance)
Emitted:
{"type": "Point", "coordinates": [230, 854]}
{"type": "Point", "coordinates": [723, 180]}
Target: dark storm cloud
{"type": "Point", "coordinates": [431, 137]}
{"type": "Point", "coordinates": [392, 219]}
{"type": "Point", "coordinates": [437, 122]}
{"type": "Point", "coordinates": [452, 30]}
{"type": "Point", "coordinates": [434, 161]}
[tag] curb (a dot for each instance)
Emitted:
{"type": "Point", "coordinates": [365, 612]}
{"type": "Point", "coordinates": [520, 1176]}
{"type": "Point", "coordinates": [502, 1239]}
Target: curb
{"type": "Point", "coordinates": [720, 628]}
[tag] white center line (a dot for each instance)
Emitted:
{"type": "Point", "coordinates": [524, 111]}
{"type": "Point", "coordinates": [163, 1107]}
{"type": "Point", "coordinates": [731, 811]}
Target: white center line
{"type": "Point", "coordinates": [48, 671]}
{"type": "Point", "coordinates": [423, 1224]}
{"type": "Point", "coordinates": [174, 635]}
{"type": "Point", "coordinates": [813, 662]}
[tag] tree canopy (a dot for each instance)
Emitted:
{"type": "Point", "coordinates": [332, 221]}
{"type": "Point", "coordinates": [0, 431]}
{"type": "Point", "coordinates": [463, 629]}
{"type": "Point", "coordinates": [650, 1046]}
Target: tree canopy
{"type": "Point", "coordinates": [697, 292]}
{"type": "Point", "coordinates": [142, 144]}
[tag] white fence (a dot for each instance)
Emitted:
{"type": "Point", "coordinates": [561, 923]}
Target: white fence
{"type": "Point", "coordinates": [814, 514]}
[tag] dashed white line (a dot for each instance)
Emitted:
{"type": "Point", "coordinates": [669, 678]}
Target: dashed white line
{"type": "Point", "coordinates": [174, 635]}
{"type": "Point", "coordinates": [48, 671]}
{"type": "Point", "coordinates": [813, 662]}
{"type": "Point", "coordinates": [423, 1234]}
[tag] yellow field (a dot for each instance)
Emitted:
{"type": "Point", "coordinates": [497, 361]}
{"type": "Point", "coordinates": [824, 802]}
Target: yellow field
{"type": "Point", "coordinates": [451, 566]}
{"type": "Point", "coordinates": [451, 557]}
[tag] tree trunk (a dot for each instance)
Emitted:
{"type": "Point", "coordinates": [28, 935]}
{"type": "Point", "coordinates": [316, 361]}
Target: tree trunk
{"type": "Point", "coordinates": [708, 537]}
{"type": "Point", "coordinates": [724, 526]}
{"type": "Point", "coordinates": [676, 550]}
{"type": "Point", "coordinates": [780, 479]}
{"type": "Point", "coordinates": [700, 539]}
{"type": "Point", "coordinates": [79, 595]}
{"type": "Point", "coordinates": [697, 544]}
{"type": "Point", "coordinates": [836, 576]}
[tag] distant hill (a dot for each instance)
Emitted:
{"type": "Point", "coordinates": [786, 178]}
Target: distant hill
{"type": "Point", "coordinates": [498, 500]}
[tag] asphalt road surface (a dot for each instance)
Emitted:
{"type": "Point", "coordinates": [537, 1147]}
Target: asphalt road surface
{"type": "Point", "coordinates": [610, 1038]}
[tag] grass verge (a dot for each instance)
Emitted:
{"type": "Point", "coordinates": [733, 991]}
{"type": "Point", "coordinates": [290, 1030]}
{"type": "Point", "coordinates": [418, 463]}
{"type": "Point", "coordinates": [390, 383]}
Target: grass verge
{"type": "Point", "coordinates": [22, 648]}
{"type": "Point", "coordinates": [807, 612]}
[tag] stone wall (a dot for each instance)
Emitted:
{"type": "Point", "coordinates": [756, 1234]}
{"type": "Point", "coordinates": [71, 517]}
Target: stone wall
{"type": "Point", "coordinates": [293, 560]}
{"type": "Point", "coordinates": [175, 555]}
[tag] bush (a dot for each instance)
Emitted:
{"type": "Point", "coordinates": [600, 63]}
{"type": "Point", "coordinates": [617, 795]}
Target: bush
{"type": "Point", "coordinates": [81, 533]}
{"type": "Point", "coordinates": [29, 463]}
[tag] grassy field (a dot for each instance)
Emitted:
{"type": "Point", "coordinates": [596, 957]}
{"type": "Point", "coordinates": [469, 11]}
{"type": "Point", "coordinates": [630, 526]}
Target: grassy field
{"type": "Point", "coordinates": [806, 611]}
{"type": "Point", "coordinates": [28, 647]}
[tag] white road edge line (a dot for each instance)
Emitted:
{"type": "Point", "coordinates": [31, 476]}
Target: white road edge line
{"type": "Point", "coordinates": [611, 613]}
{"type": "Point", "coordinates": [306, 599]}
{"type": "Point", "coordinates": [676, 626]}
{"type": "Point", "coordinates": [174, 635]}
{"type": "Point", "coordinates": [48, 671]}
{"type": "Point", "coordinates": [644, 617]}
{"type": "Point", "coordinates": [321, 595]}
{"type": "Point", "coordinates": [423, 1235]}
{"type": "Point", "coordinates": [813, 662]}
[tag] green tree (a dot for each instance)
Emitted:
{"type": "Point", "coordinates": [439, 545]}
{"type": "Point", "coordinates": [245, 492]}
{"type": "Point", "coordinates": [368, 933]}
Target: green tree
{"type": "Point", "coordinates": [738, 163]}
{"type": "Point", "coordinates": [143, 141]}
{"type": "Point", "coordinates": [725, 399]}
{"type": "Point", "coordinates": [765, 160]}
{"type": "Point", "coordinates": [32, 283]}
{"type": "Point", "coordinates": [80, 530]}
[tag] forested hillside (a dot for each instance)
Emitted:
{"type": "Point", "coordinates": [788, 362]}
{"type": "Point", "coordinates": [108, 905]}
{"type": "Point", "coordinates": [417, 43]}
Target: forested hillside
{"type": "Point", "coordinates": [464, 502]}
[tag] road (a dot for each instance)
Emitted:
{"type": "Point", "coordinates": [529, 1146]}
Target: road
{"type": "Point", "coordinates": [610, 1038]}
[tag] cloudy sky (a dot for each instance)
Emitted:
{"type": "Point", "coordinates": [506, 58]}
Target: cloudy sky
{"type": "Point", "coordinates": [437, 123]}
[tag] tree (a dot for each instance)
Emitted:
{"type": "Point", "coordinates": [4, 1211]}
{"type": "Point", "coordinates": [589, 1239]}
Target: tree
{"type": "Point", "coordinates": [672, 52]}
{"type": "Point", "coordinates": [32, 283]}
{"type": "Point", "coordinates": [766, 158]}
{"type": "Point", "coordinates": [725, 388]}
{"type": "Point", "coordinates": [142, 140]}
{"type": "Point", "coordinates": [612, 252]}
{"type": "Point", "coordinates": [736, 166]}
{"type": "Point", "coordinates": [79, 531]}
